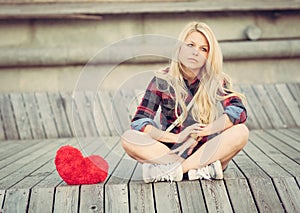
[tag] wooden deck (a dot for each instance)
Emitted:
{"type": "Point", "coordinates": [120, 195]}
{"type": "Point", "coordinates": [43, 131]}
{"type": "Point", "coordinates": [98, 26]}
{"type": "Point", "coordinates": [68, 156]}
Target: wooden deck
{"type": "Point", "coordinates": [264, 177]}
{"type": "Point", "coordinates": [86, 114]}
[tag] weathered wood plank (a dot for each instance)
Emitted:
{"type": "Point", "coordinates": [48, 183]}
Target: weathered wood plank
{"type": "Point", "coordinates": [97, 114]}
{"type": "Point", "coordinates": [20, 116]}
{"type": "Point", "coordinates": [256, 106]}
{"type": "Point", "coordinates": [290, 102]}
{"type": "Point", "coordinates": [240, 195]}
{"type": "Point", "coordinates": [141, 198]}
{"type": "Point", "coordinates": [276, 155]}
{"type": "Point", "coordinates": [57, 105]}
{"type": "Point", "coordinates": [112, 152]}
{"type": "Point", "coordinates": [27, 165]}
{"type": "Point", "coordinates": [91, 198]}
{"type": "Point", "coordinates": [2, 194]}
{"type": "Point", "coordinates": [191, 197]}
{"type": "Point", "coordinates": [90, 110]}
{"type": "Point", "coordinates": [289, 193]}
{"type": "Point", "coordinates": [8, 120]}
{"type": "Point", "coordinates": [85, 114]}
{"type": "Point", "coordinates": [41, 200]}
{"type": "Point", "coordinates": [266, 103]}
{"type": "Point", "coordinates": [46, 115]}
{"type": "Point", "coordinates": [32, 110]}
{"type": "Point", "coordinates": [52, 180]}
{"type": "Point", "coordinates": [237, 188]}
{"type": "Point", "coordinates": [296, 131]}
{"type": "Point", "coordinates": [120, 112]}
{"type": "Point", "coordinates": [66, 199]}
{"type": "Point", "coordinates": [141, 195]}
{"type": "Point", "coordinates": [261, 185]}
{"type": "Point", "coordinates": [248, 167]}
{"type": "Point", "coordinates": [280, 106]}
{"type": "Point", "coordinates": [116, 188]}
{"type": "Point", "coordinates": [291, 134]}
{"type": "Point", "coordinates": [294, 89]}
{"type": "Point", "coordinates": [264, 162]}
{"type": "Point", "coordinates": [252, 121]}
{"type": "Point", "coordinates": [13, 157]}
{"type": "Point", "coordinates": [116, 198]}
{"type": "Point", "coordinates": [166, 197]}
{"type": "Point", "coordinates": [265, 195]}
{"type": "Point", "coordinates": [107, 106]}
{"type": "Point", "coordinates": [137, 176]}
{"type": "Point", "coordinates": [216, 197]}
{"type": "Point", "coordinates": [2, 133]}
{"type": "Point", "coordinates": [285, 139]}
{"type": "Point", "coordinates": [72, 115]}
{"type": "Point", "coordinates": [233, 172]}
{"type": "Point", "coordinates": [130, 102]}
{"type": "Point", "coordinates": [16, 200]}
{"type": "Point", "coordinates": [35, 177]}
{"type": "Point", "coordinates": [9, 148]}
{"type": "Point", "coordinates": [44, 171]}
{"type": "Point", "coordinates": [281, 146]}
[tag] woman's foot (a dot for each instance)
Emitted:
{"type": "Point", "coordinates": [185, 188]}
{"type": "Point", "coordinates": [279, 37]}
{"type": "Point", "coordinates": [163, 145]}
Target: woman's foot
{"type": "Point", "coordinates": [212, 171]}
{"type": "Point", "coordinates": [162, 172]}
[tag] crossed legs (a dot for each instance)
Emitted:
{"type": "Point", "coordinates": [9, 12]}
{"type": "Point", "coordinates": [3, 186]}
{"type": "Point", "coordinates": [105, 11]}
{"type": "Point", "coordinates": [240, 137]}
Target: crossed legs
{"type": "Point", "coordinates": [223, 147]}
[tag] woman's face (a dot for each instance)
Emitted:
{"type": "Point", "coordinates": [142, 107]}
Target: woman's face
{"type": "Point", "coordinates": [193, 53]}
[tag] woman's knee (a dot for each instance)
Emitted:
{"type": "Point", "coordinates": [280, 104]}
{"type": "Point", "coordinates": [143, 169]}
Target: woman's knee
{"type": "Point", "coordinates": [127, 145]}
{"type": "Point", "coordinates": [128, 148]}
{"type": "Point", "coordinates": [241, 133]}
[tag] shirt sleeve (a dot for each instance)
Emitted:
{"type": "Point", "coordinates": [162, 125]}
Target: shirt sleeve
{"type": "Point", "coordinates": [148, 107]}
{"type": "Point", "coordinates": [141, 123]}
{"type": "Point", "coordinates": [235, 110]}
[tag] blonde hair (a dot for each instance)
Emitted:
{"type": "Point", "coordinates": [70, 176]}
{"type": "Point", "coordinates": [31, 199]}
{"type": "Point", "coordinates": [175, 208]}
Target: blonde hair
{"type": "Point", "coordinates": [211, 87]}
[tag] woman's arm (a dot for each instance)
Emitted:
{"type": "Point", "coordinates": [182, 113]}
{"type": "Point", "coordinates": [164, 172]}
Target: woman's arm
{"type": "Point", "coordinates": [234, 113]}
{"type": "Point", "coordinates": [169, 137]}
{"type": "Point", "coordinates": [218, 125]}
{"type": "Point", "coordinates": [160, 135]}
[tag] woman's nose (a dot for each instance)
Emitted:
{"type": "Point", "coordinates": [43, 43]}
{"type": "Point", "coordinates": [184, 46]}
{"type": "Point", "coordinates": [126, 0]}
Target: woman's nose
{"type": "Point", "coordinates": [195, 52]}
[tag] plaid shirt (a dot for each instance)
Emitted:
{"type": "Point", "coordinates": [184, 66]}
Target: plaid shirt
{"type": "Point", "coordinates": [159, 94]}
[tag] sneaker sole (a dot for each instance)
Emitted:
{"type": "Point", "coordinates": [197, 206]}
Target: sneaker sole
{"type": "Point", "coordinates": [218, 167]}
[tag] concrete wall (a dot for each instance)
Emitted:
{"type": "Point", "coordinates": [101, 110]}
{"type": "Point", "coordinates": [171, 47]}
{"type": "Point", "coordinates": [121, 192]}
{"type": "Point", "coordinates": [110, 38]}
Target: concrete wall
{"type": "Point", "coordinates": [47, 54]}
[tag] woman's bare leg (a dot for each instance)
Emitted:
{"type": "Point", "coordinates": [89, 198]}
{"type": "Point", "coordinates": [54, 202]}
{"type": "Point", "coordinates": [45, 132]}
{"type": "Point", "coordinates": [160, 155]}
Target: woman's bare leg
{"type": "Point", "coordinates": [222, 147]}
{"type": "Point", "coordinates": [141, 147]}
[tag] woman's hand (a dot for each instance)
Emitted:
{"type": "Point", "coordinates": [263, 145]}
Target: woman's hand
{"type": "Point", "coordinates": [189, 138]}
{"type": "Point", "coordinates": [193, 130]}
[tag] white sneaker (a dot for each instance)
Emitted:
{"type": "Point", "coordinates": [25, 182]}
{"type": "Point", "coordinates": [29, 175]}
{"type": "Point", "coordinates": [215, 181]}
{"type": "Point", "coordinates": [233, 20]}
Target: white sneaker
{"type": "Point", "coordinates": [212, 171]}
{"type": "Point", "coordinates": [162, 172]}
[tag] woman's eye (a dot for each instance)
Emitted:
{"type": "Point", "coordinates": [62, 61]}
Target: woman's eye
{"type": "Point", "coordinates": [204, 49]}
{"type": "Point", "coordinates": [189, 45]}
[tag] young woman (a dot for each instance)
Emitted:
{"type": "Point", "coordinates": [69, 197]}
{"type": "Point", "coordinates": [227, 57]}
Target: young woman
{"type": "Point", "coordinates": [195, 94]}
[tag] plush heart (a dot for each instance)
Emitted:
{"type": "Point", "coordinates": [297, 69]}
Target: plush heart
{"type": "Point", "coordinates": [75, 169]}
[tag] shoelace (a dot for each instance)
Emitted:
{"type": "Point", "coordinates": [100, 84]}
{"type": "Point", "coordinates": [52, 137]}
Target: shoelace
{"type": "Point", "coordinates": [165, 177]}
{"type": "Point", "coordinates": [204, 173]}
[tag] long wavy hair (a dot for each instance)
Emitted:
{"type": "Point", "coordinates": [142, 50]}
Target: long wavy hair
{"type": "Point", "coordinates": [214, 84]}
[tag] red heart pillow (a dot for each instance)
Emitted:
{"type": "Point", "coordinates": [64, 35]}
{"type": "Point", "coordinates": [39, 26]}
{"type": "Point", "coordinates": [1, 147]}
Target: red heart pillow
{"type": "Point", "coordinates": [75, 169]}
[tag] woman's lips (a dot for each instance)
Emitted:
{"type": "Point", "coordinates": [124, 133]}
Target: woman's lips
{"type": "Point", "coordinates": [193, 60]}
